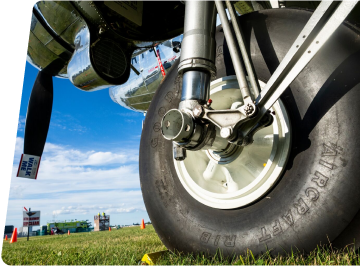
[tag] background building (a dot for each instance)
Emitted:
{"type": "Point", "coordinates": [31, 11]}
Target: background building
{"type": "Point", "coordinates": [8, 230]}
{"type": "Point", "coordinates": [23, 231]}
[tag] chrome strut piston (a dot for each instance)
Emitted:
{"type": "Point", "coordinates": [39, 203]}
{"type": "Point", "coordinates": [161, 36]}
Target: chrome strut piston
{"type": "Point", "coordinates": [197, 59]}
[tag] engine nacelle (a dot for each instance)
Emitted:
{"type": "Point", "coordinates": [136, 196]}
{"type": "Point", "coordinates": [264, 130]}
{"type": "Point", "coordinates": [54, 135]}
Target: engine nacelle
{"type": "Point", "coordinates": [64, 45]}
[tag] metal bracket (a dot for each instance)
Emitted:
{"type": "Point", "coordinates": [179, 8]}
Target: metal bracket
{"type": "Point", "coordinates": [134, 69]}
{"type": "Point", "coordinates": [242, 140]}
{"type": "Point", "coordinates": [179, 152]}
{"type": "Point", "coordinates": [227, 120]}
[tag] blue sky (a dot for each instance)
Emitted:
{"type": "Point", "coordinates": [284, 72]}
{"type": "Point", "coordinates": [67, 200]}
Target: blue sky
{"type": "Point", "coordinates": [90, 161]}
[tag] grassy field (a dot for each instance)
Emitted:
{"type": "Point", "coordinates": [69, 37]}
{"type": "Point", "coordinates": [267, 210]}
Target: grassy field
{"type": "Point", "coordinates": [128, 245]}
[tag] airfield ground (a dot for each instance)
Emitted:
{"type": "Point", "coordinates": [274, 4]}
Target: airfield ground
{"type": "Point", "coordinates": [128, 245]}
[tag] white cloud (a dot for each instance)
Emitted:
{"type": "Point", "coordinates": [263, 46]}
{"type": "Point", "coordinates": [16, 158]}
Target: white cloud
{"type": "Point", "coordinates": [19, 147]}
{"type": "Point", "coordinates": [108, 209]}
{"type": "Point", "coordinates": [73, 182]}
{"type": "Point", "coordinates": [131, 114]}
{"type": "Point", "coordinates": [66, 122]}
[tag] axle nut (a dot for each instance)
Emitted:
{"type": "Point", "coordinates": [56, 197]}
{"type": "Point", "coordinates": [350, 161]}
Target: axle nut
{"type": "Point", "coordinates": [198, 111]}
{"type": "Point", "coordinates": [225, 132]}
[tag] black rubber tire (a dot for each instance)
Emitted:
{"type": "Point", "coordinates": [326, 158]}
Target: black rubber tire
{"type": "Point", "coordinates": [317, 196]}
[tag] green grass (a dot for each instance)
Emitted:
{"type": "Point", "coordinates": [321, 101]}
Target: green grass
{"type": "Point", "coordinates": [128, 245]}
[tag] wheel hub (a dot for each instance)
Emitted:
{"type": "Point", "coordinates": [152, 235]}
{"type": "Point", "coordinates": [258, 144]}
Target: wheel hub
{"type": "Point", "coordinates": [236, 175]}
{"type": "Point", "coordinates": [226, 156]}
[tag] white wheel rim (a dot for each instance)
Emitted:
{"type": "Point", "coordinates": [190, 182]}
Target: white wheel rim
{"type": "Point", "coordinates": [245, 176]}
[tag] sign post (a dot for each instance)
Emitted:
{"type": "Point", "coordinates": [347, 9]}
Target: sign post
{"type": "Point", "coordinates": [30, 218]}
{"type": "Point", "coordinates": [28, 227]}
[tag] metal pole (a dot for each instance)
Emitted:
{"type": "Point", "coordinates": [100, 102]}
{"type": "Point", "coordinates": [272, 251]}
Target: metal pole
{"type": "Point", "coordinates": [235, 57]}
{"type": "Point", "coordinates": [28, 225]}
{"type": "Point", "coordinates": [249, 69]}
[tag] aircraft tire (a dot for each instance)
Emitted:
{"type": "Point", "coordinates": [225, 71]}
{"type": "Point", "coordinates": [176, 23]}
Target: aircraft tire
{"type": "Point", "coordinates": [316, 199]}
